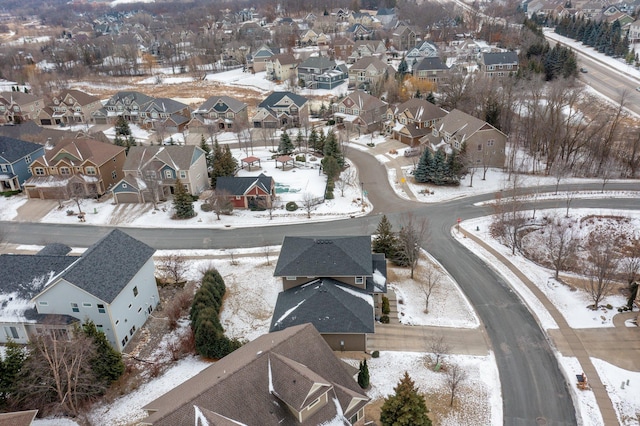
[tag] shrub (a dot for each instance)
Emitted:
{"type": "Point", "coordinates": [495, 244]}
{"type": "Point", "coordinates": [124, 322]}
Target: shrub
{"type": "Point", "coordinates": [609, 306]}
{"type": "Point", "coordinates": [331, 122]}
{"type": "Point", "coordinates": [206, 207]}
{"type": "Point", "coordinates": [10, 193]}
{"type": "Point", "coordinates": [328, 195]}
{"type": "Point", "coordinates": [291, 206]}
{"type": "Point", "coordinates": [375, 354]}
{"type": "Point", "coordinates": [386, 309]}
{"type": "Point", "coordinates": [371, 144]}
{"type": "Point", "coordinates": [300, 158]}
{"type": "Point", "coordinates": [384, 319]}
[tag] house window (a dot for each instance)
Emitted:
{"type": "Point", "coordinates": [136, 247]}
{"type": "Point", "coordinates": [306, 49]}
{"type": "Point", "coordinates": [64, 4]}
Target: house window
{"type": "Point", "coordinates": [65, 171]}
{"type": "Point", "coordinates": [43, 303]}
{"type": "Point", "coordinates": [135, 291]}
{"type": "Point", "coordinates": [11, 332]}
{"type": "Point", "coordinates": [74, 307]}
{"type": "Point", "coordinates": [132, 330]}
{"type": "Point", "coordinates": [91, 170]}
{"type": "Point", "coordinates": [313, 404]}
{"type": "Point", "coordinates": [86, 305]}
{"type": "Point", "coordinates": [491, 142]}
{"type": "Point", "coordinates": [479, 147]}
{"type": "Point", "coordinates": [39, 171]}
{"type": "Point", "coordinates": [150, 309]}
{"type": "Point", "coordinates": [238, 197]}
{"type": "Point", "coordinates": [359, 280]}
{"type": "Point", "coordinates": [117, 322]}
{"type": "Point", "coordinates": [129, 308]}
{"type": "Point", "coordinates": [291, 278]}
{"type": "Point", "coordinates": [125, 340]}
{"type": "Point", "coordinates": [114, 174]}
{"type": "Point", "coordinates": [167, 174]}
{"type": "Point", "coordinates": [183, 174]}
{"type": "Point", "coordinates": [101, 309]}
{"type": "Point", "coordinates": [27, 159]}
{"type": "Point", "coordinates": [140, 309]}
{"type": "Point", "coordinates": [124, 186]}
{"type": "Point", "coordinates": [100, 327]}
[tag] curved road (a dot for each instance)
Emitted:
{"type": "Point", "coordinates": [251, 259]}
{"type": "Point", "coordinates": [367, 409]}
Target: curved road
{"type": "Point", "coordinates": [533, 387]}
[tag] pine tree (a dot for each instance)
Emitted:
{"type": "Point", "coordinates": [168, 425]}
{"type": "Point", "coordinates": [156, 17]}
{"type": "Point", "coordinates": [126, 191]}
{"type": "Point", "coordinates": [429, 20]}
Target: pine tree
{"type": "Point", "coordinates": [319, 147]}
{"type": "Point", "coordinates": [107, 364]}
{"type": "Point", "coordinates": [439, 174]}
{"type": "Point", "coordinates": [286, 146]}
{"type": "Point", "coordinates": [10, 368]}
{"type": "Point", "coordinates": [385, 240]}
{"type": "Point", "coordinates": [331, 167]}
{"type": "Point", "coordinates": [402, 68]}
{"type": "Point", "coordinates": [207, 150]}
{"type": "Point", "coordinates": [222, 162]}
{"type": "Point", "coordinates": [332, 149]}
{"type": "Point", "coordinates": [313, 139]}
{"type": "Point", "coordinates": [423, 170]}
{"type": "Point", "coordinates": [431, 98]}
{"type": "Point", "coordinates": [182, 202]}
{"type": "Point", "coordinates": [299, 140]}
{"type": "Point", "coordinates": [122, 127]}
{"type": "Point", "coordinates": [363, 375]}
{"type": "Point", "coordinates": [406, 407]}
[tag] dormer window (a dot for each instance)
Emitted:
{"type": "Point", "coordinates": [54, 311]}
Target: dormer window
{"type": "Point", "coordinates": [359, 280]}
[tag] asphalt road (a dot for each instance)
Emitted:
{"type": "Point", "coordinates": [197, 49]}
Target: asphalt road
{"type": "Point", "coordinates": [533, 388]}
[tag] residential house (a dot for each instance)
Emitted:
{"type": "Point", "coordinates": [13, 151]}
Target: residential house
{"type": "Point", "coordinates": [485, 145]}
{"type": "Point", "coordinates": [368, 72]}
{"type": "Point", "coordinates": [111, 284]}
{"type": "Point", "coordinates": [386, 16]}
{"type": "Point", "coordinates": [289, 377]}
{"type": "Point", "coordinates": [252, 31]}
{"type": "Point", "coordinates": [69, 107]}
{"type": "Point", "coordinates": [281, 109]}
{"type": "Point", "coordinates": [364, 48]}
{"type": "Point", "coordinates": [424, 50]}
{"type": "Point", "coordinates": [308, 38]}
{"type": "Point", "coordinates": [403, 37]}
{"type": "Point", "coordinates": [363, 18]}
{"type": "Point", "coordinates": [18, 418]}
{"type": "Point", "coordinates": [150, 173]}
{"type": "Point", "coordinates": [75, 167]}
{"type": "Point", "coordinates": [17, 107]}
{"type": "Point", "coordinates": [126, 104]}
{"type": "Point", "coordinates": [281, 67]}
{"type": "Point", "coordinates": [222, 112]}
{"type": "Point", "coordinates": [358, 32]}
{"type": "Point", "coordinates": [499, 64]}
{"type": "Point", "coordinates": [16, 157]}
{"type": "Point", "coordinates": [413, 119]}
{"type": "Point", "coordinates": [360, 111]}
{"type": "Point", "coordinates": [333, 283]}
{"type": "Point", "coordinates": [634, 31]}
{"type": "Point", "coordinates": [320, 72]}
{"type": "Point", "coordinates": [343, 47]}
{"type": "Point", "coordinates": [257, 60]}
{"type": "Point", "coordinates": [248, 192]}
{"type": "Point", "coordinates": [433, 70]}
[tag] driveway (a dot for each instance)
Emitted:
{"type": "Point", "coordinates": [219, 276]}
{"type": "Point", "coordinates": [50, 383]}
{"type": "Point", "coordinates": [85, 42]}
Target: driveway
{"type": "Point", "coordinates": [35, 210]}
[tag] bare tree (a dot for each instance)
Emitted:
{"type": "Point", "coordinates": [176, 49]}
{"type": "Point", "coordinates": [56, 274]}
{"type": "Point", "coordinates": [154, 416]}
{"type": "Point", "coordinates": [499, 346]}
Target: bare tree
{"type": "Point", "coordinates": [508, 219]}
{"type": "Point", "coordinates": [153, 185]}
{"type": "Point", "coordinates": [568, 199]}
{"type": "Point", "coordinates": [347, 178]}
{"type": "Point", "coordinates": [439, 348]}
{"type": "Point", "coordinates": [429, 281]}
{"type": "Point", "coordinates": [220, 203]}
{"type": "Point", "coordinates": [631, 259]}
{"type": "Point", "coordinates": [173, 268]}
{"type": "Point", "coordinates": [603, 260]}
{"type": "Point", "coordinates": [456, 375]}
{"type": "Point", "coordinates": [58, 372]}
{"type": "Point", "coordinates": [266, 249]}
{"type": "Point", "coordinates": [414, 233]}
{"type": "Point", "coordinates": [308, 203]}
{"type": "Point", "coordinates": [561, 246]}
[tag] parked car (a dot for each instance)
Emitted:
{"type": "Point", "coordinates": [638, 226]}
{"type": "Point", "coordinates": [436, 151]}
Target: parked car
{"type": "Point", "coordinates": [584, 70]}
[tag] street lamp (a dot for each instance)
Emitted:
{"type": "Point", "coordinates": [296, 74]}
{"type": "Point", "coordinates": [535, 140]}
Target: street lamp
{"type": "Point", "coordinates": [362, 193]}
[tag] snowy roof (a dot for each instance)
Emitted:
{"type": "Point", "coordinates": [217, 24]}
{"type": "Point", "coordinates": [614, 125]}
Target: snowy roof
{"type": "Point", "coordinates": [12, 150]}
{"type": "Point", "coordinates": [332, 307]}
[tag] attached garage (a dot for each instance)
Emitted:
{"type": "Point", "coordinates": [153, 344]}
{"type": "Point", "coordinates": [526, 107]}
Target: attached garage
{"type": "Point", "coordinates": [126, 197]}
{"type": "Point", "coordinates": [45, 122]}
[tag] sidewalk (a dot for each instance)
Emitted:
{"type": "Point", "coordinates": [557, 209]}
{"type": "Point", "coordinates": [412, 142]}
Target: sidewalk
{"type": "Point", "coordinates": [566, 340]}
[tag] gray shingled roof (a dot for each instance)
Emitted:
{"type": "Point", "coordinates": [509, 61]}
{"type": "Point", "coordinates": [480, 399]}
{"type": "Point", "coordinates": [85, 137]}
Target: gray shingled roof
{"type": "Point", "coordinates": [238, 185]}
{"type": "Point", "coordinates": [345, 256]}
{"type": "Point", "coordinates": [233, 104]}
{"type": "Point", "coordinates": [12, 150]}
{"type": "Point", "coordinates": [321, 62]}
{"type": "Point", "coordinates": [178, 157]}
{"type": "Point", "coordinates": [274, 98]}
{"type": "Point", "coordinates": [237, 387]}
{"type": "Point", "coordinates": [332, 307]}
{"type": "Point", "coordinates": [497, 58]}
{"type": "Point", "coordinates": [431, 63]}
{"type": "Point", "coordinates": [27, 274]}
{"type": "Point", "coordinates": [108, 265]}
{"type": "Point", "coordinates": [55, 249]}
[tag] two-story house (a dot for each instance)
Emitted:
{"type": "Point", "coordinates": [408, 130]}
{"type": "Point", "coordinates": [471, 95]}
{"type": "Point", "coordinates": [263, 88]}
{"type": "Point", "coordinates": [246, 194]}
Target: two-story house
{"type": "Point", "coordinates": [499, 64]}
{"type": "Point", "coordinates": [403, 36]}
{"type": "Point", "coordinates": [69, 107]}
{"type": "Point", "coordinates": [634, 31]}
{"type": "Point", "coordinates": [343, 47]}
{"type": "Point", "coordinates": [223, 112]}
{"type": "Point", "coordinates": [369, 71]}
{"type": "Point", "coordinates": [111, 284]}
{"type": "Point", "coordinates": [257, 60]}
{"type": "Point", "coordinates": [150, 173]}
{"type": "Point", "coordinates": [485, 145]}
{"type": "Point", "coordinates": [127, 104]}
{"type": "Point", "coordinates": [432, 69]}
{"type": "Point", "coordinates": [17, 107]}
{"type": "Point", "coordinates": [364, 48]}
{"type": "Point", "coordinates": [281, 67]}
{"type": "Point", "coordinates": [320, 72]}
{"type": "Point", "coordinates": [289, 377]}
{"type": "Point", "coordinates": [413, 119]}
{"type": "Point", "coordinates": [335, 283]}
{"type": "Point", "coordinates": [170, 115]}
{"type": "Point", "coordinates": [16, 157]}
{"type": "Point", "coordinates": [75, 167]}
{"type": "Point", "coordinates": [360, 111]}
{"type": "Point", "coordinates": [281, 109]}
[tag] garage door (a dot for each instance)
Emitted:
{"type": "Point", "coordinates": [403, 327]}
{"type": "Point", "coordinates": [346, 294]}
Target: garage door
{"type": "Point", "coordinates": [126, 197]}
{"type": "Point", "coordinates": [33, 193]}
{"type": "Point", "coordinates": [45, 122]}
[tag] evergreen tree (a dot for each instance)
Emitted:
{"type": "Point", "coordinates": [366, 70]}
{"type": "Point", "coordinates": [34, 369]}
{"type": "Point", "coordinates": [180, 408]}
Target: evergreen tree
{"type": "Point", "coordinates": [319, 147]}
{"type": "Point", "coordinates": [439, 175]}
{"type": "Point", "coordinates": [406, 407]}
{"type": "Point", "coordinates": [286, 146]}
{"type": "Point", "coordinates": [223, 162]}
{"type": "Point", "coordinates": [182, 201]}
{"type": "Point", "coordinates": [431, 98]}
{"type": "Point", "coordinates": [332, 148]}
{"type": "Point", "coordinates": [385, 240]}
{"type": "Point", "coordinates": [363, 375]}
{"type": "Point", "coordinates": [299, 140]}
{"type": "Point", "coordinates": [122, 127]}
{"type": "Point", "coordinates": [403, 68]}
{"type": "Point", "coordinates": [423, 170]}
{"type": "Point", "coordinates": [10, 368]}
{"type": "Point", "coordinates": [107, 364]}
{"type": "Point", "coordinates": [207, 150]}
{"type": "Point", "coordinates": [313, 139]}
{"type": "Point", "coordinates": [331, 167]}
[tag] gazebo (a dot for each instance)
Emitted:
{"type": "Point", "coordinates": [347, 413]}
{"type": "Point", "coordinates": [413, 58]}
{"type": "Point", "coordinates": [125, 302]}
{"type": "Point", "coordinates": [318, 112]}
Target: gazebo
{"type": "Point", "coordinates": [250, 162]}
{"type": "Point", "coordinates": [284, 159]}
